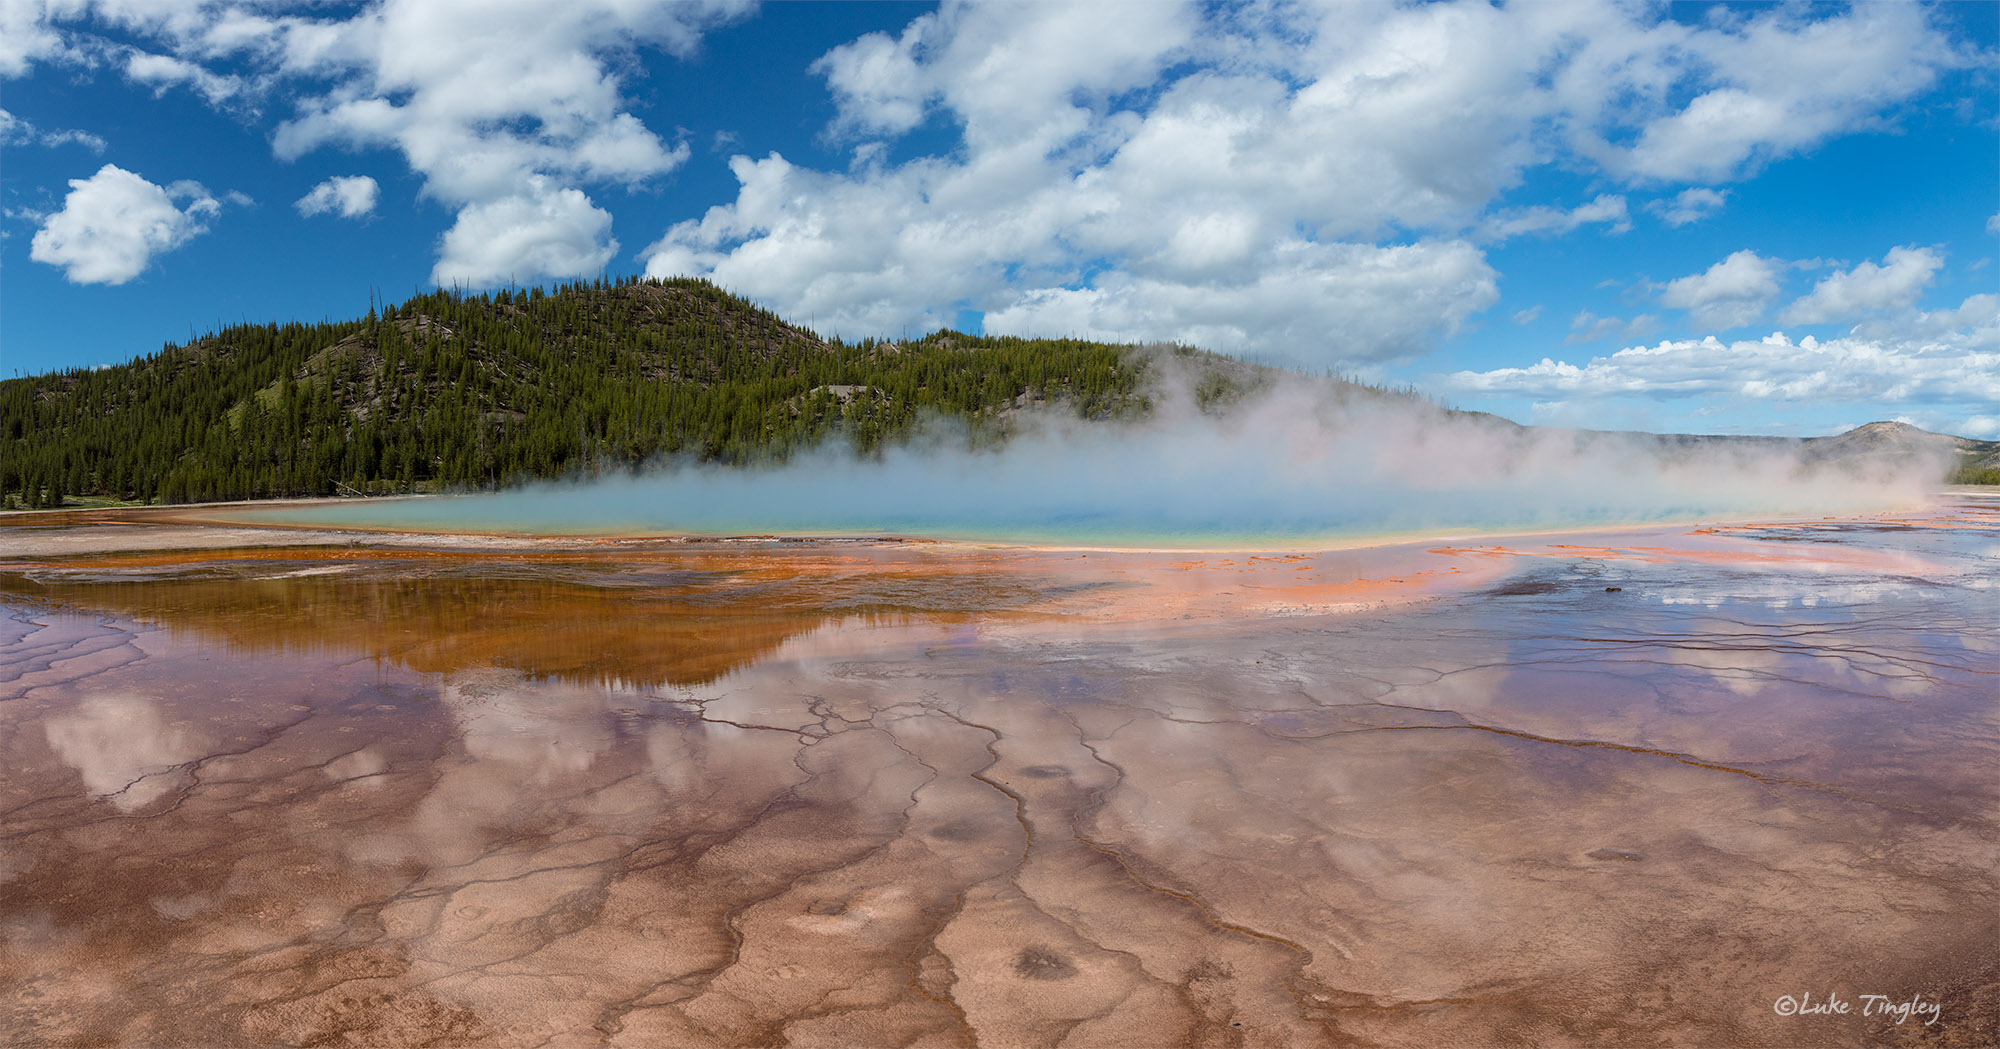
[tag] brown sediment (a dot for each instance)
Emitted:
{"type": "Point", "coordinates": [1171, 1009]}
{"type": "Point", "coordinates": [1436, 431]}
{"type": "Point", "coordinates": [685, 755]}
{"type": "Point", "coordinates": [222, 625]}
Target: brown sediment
{"type": "Point", "coordinates": [888, 794]}
{"type": "Point", "coordinates": [671, 617]}
{"type": "Point", "coordinates": [431, 604]}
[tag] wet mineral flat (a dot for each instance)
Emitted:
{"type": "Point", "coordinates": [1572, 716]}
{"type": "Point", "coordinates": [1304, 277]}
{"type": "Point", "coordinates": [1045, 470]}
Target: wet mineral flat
{"type": "Point", "coordinates": [1672, 787]}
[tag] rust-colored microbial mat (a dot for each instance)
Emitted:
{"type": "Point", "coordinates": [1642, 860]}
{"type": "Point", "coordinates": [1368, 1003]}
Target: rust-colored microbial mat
{"type": "Point", "coordinates": [1719, 787]}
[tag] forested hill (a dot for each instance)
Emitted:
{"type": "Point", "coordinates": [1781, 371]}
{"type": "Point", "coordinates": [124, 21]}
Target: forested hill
{"type": "Point", "coordinates": [450, 390]}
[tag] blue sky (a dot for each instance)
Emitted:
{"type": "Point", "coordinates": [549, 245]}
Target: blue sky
{"type": "Point", "coordinates": [1720, 218]}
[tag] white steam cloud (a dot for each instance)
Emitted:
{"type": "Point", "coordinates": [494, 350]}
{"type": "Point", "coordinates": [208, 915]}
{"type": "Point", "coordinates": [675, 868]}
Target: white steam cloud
{"type": "Point", "coordinates": [1298, 465]}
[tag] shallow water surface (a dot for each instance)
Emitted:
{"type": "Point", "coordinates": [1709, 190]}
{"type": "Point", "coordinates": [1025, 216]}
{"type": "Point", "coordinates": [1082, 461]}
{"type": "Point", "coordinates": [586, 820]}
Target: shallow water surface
{"type": "Point", "coordinates": [1614, 789]}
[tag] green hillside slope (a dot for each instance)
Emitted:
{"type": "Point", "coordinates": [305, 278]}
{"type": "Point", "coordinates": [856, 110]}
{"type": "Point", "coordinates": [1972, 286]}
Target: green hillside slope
{"type": "Point", "coordinates": [451, 391]}
{"type": "Point", "coordinates": [462, 391]}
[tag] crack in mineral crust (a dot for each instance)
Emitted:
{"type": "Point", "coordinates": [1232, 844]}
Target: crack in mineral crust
{"type": "Point", "coordinates": [863, 797]}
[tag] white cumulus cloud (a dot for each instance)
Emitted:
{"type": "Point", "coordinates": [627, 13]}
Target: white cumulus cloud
{"type": "Point", "coordinates": [1729, 294]}
{"type": "Point", "coordinates": [1782, 82]}
{"type": "Point", "coordinates": [493, 104]}
{"type": "Point", "coordinates": [1156, 169]}
{"type": "Point", "coordinates": [1589, 327]}
{"type": "Point", "coordinates": [545, 230]}
{"type": "Point", "coordinates": [505, 110]}
{"type": "Point", "coordinates": [1688, 206]}
{"type": "Point", "coordinates": [480, 97]}
{"type": "Point", "coordinates": [1945, 365]}
{"type": "Point", "coordinates": [1608, 209]}
{"type": "Point", "coordinates": [1105, 155]}
{"type": "Point", "coordinates": [26, 37]}
{"type": "Point", "coordinates": [114, 222]}
{"type": "Point", "coordinates": [14, 131]}
{"type": "Point", "coordinates": [349, 196]}
{"type": "Point", "coordinates": [161, 72]}
{"type": "Point", "coordinates": [1309, 302]}
{"type": "Point", "coordinates": [1893, 285]}
{"type": "Point", "coordinates": [1009, 72]}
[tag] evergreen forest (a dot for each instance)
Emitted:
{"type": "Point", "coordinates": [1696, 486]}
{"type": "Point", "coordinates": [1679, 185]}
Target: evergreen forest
{"type": "Point", "coordinates": [452, 391]}
{"type": "Point", "coordinates": [456, 391]}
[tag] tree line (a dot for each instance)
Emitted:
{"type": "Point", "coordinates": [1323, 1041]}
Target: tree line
{"type": "Point", "coordinates": [451, 390]}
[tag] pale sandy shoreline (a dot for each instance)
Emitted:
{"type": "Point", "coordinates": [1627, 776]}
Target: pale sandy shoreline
{"type": "Point", "coordinates": [1151, 588]}
{"type": "Point", "coordinates": [200, 526]}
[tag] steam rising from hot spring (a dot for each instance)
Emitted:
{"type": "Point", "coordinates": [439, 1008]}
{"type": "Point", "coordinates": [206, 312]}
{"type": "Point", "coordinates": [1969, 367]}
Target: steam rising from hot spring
{"type": "Point", "coordinates": [1297, 464]}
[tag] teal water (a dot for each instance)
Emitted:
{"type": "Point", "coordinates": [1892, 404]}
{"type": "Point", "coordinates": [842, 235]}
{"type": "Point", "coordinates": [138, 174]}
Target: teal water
{"type": "Point", "coordinates": [1284, 474]}
{"type": "Point", "coordinates": [725, 505]}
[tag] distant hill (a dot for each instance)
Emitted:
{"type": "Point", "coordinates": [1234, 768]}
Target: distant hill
{"type": "Point", "coordinates": [1876, 446]}
{"type": "Point", "coordinates": [455, 391]}
{"type": "Point", "coordinates": [1880, 447]}
{"type": "Point", "coordinates": [1974, 462]}
{"type": "Point", "coordinates": [452, 391]}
